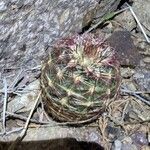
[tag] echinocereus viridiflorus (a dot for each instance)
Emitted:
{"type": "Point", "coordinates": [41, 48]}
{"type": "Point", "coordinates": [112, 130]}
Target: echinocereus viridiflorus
{"type": "Point", "coordinates": [80, 74]}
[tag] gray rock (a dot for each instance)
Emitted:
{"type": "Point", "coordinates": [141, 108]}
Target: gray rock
{"type": "Point", "coordinates": [126, 72]}
{"type": "Point", "coordinates": [147, 60]}
{"type": "Point", "coordinates": [142, 78]}
{"type": "Point", "coordinates": [36, 25]}
{"type": "Point", "coordinates": [29, 27]}
{"type": "Point", "coordinates": [128, 147]}
{"type": "Point", "coordinates": [125, 49]}
{"type": "Point", "coordinates": [117, 145]}
{"type": "Point", "coordinates": [126, 20]}
{"type": "Point", "coordinates": [3, 7]}
{"type": "Point", "coordinates": [141, 9]}
{"type": "Point", "coordinates": [140, 138]}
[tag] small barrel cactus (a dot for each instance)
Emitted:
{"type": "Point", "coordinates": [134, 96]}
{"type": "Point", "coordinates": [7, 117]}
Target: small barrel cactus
{"type": "Point", "coordinates": [79, 75]}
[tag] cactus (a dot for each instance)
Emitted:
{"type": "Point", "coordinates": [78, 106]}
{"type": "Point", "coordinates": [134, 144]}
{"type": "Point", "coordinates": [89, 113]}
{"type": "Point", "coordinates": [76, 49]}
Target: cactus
{"type": "Point", "coordinates": [80, 74]}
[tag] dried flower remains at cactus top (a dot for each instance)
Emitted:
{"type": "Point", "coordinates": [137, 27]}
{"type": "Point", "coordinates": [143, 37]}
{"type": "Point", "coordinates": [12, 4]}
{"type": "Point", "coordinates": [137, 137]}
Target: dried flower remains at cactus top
{"type": "Point", "coordinates": [79, 75]}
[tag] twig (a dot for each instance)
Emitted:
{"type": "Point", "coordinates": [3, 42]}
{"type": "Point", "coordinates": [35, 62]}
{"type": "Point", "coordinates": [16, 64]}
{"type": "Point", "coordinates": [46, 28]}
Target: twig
{"type": "Point", "coordinates": [38, 67]}
{"type": "Point", "coordinates": [15, 130]}
{"type": "Point", "coordinates": [136, 92]}
{"type": "Point", "coordinates": [31, 112]}
{"type": "Point", "coordinates": [23, 90]}
{"type": "Point", "coordinates": [25, 118]}
{"type": "Point", "coordinates": [49, 123]}
{"type": "Point", "coordinates": [137, 122]}
{"type": "Point", "coordinates": [124, 89]}
{"type": "Point", "coordinates": [124, 110]}
{"type": "Point", "coordinates": [22, 134]}
{"type": "Point", "coordinates": [138, 22]}
{"type": "Point", "coordinates": [146, 27]}
{"type": "Point", "coordinates": [19, 91]}
{"type": "Point", "coordinates": [4, 104]}
{"type": "Point", "coordinates": [142, 99]}
{"type": "Point", "coordinates": [16, 80]}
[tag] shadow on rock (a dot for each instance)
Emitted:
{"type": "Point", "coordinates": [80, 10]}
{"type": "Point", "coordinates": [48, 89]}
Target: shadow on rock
{"type": "Point", "coordinates": [56, 144]}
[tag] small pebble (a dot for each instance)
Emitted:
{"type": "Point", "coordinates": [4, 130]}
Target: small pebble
{"type": "Point", "coordinates": [148, 137]}
{"type": "Point", "coordinates": [146, 59]}
{"type": "Point", "coordinates": [2, 6]}
{"type": "Point", "coordinates": [128, 147]}
{"type": "Point", "coordinates": [126, 72]}
{"type": "Point", "coordinates": [93, 136]}
{"type": "Point", "coordinates": [141, 77]}
{"type": "Point", "coordinates": [140, 138]}
{"type": "Point", "coordinates": [117, 145]}
{"type": "Point", "coordinates": [127, 140]}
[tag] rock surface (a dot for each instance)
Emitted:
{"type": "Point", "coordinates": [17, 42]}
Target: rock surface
{"type": "Point", "coordinates": [29, 27]}
{"type": "Point", "coordinates": [141, 9]}
{"type": "Point", "coordinates": [142, 79]}
{"type": "Point", "coordinates": [126, 51]}
{"type": "Point", "coordinates": [55, 144]}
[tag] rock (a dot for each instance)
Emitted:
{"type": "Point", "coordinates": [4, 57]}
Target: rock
{"type": "Point", "coordinates": [55, 144]}
{"type": "Point", "coordinates": [142, 78]}
{"type": "Point", "coordinates": [147, 60]}
{"type": "Point", "coordinates": [117, 145]}
{"type": "Point", "coordinates": [141, 9]}
{"type": "Point", "coordinates": [3, 7]}
{"type": "Point", "coordinates": [125, 49]}
{"type": "Point", "coordinates": [92, 137]}
{"type": "Point", "coordinates": [127, 144]}
{"type": "Point", "coordinates": [126, 20]}
{"type": "Point", "coordinates": [128, 147]}
{"type": "Point", "coordinates": [113, 132]}
{"type": "Point", "coordinates": [127, 140]}
{"type": "Point", "coordinates": [129, 85]}
{"type": "Point", "coordinates": [28, 28]}
{"type": "Point", "coordinates": [140, 138]}
{"type": "Point", "coordinates": [126, 72]}
{"type": "Point", "coordinates": [106, 7]}
{"type": "Point", "coordinates": [54, 131]}
{"type": "Point", "coordinates": [148, 137]}
{"type": "Point", "coordinates": [37, 24]}
{"type": "Point", "coordinates": [26, 101]}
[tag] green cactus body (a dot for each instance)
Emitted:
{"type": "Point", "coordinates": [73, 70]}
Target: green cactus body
{"type": "Point", "coordinates": [79, 75]}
